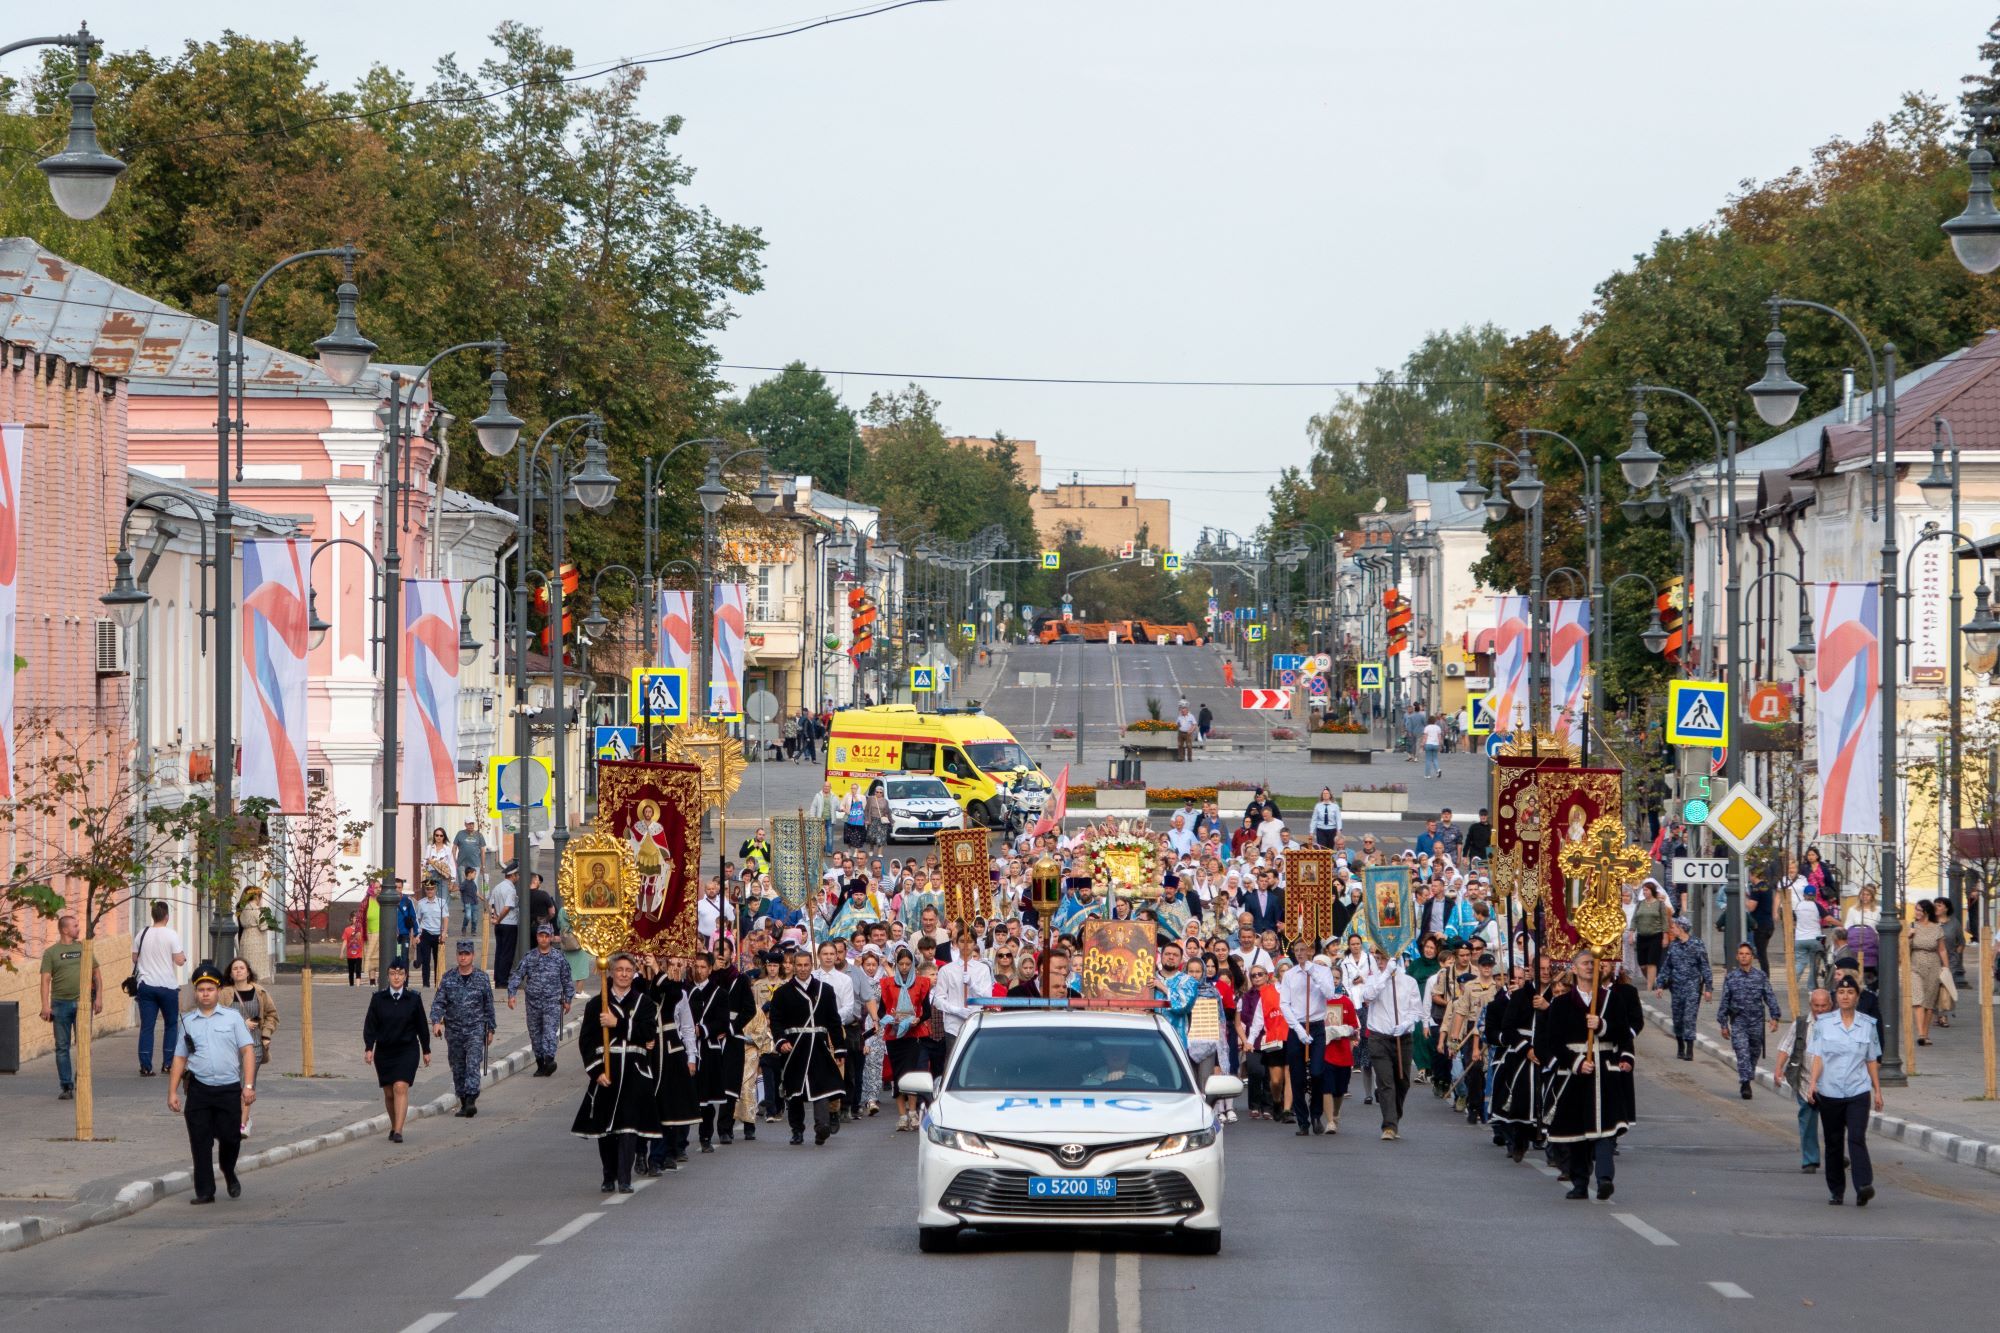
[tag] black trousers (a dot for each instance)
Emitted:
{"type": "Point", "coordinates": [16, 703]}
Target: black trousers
{"type": "Point", "coordinates": [618, 1152]}
{"type": "Point", "coordinates": [774, 1095]}
{"type": "Point", "coordinates": [1843, 1123]}
{"type": "Point", "coordinates": [427, 953]}
{"type": "Point", "coordinates": [1389, 1057]}
{"type": "Point", "coordinates": [503, 954]}
{"type": "Point", "coordinates": [1592, 1152]}
{"type": "Point", "coordinates": [214, 1115]}
{"type": "Point", "coordinates": [851, 1075]}
{"type": "Point", "coordinates": [1258, 1075]}
{"type": "Point", "coordinates": [353, 970]}
{"type": "Point", "coordinates": [1475, 1091]}
{"type": "Point", "coordinates": [723, 1115]}
{"type": "Point", "coordinates": [1760, 939]}
{"type": "Point", "coordinates": [1308, 1071]}
{"type": "Point", "coordinates": [822, 1114]}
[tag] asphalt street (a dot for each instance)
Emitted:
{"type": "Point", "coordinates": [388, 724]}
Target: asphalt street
{"type": "Point", "coordinates": [1112, 686]}
{"type": "Point", "coordinates": [498, 1224]}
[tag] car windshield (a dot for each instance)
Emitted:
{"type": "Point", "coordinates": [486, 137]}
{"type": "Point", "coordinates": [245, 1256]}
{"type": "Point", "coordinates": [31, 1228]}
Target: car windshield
{"type": "Point", "coordinates": [918, 789]}
{"type": "Point", "coordinates": [1037, 1059]}
{"type": "Point", "coordinates": [995, 756]}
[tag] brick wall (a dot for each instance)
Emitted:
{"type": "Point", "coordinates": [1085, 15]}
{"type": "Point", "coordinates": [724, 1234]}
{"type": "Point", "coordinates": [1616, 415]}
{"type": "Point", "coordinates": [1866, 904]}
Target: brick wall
{"type": "Point", "coordinates": [72, 499]}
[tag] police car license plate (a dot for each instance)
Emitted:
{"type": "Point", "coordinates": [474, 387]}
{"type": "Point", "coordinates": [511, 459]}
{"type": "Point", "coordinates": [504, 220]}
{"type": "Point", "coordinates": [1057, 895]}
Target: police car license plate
{"type": "Point", "coordinates": [929, 823]}
{"type": "Point", "coordinates": [1072, 1187]}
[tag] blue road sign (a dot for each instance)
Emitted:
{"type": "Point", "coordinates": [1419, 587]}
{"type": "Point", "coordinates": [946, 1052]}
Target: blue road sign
{"type": "Point", "coordinates": [1697, 712]}
{"type": "Point", "coordinates": [1288, 661]}
{"type": "Point", "coordinates": [1495, 741]}
{"type": "Point", "coordinates": [616, 742]}
{"type": "Point", "coordinates": [659, 694]}
{"type": "Point", "coordinates": [923, 680]}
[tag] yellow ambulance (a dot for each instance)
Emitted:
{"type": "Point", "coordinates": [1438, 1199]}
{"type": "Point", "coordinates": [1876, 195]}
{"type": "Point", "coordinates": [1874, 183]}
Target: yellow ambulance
{"type": "Point", "coordinates": [976, 758]}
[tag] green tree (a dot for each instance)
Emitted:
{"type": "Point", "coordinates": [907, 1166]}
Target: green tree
{"type": "Point", "coordinates": [804, 424]}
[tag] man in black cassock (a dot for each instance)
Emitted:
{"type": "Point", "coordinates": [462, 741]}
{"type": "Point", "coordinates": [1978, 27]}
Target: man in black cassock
{"type": "Point", "coordinates": [805, 1022]}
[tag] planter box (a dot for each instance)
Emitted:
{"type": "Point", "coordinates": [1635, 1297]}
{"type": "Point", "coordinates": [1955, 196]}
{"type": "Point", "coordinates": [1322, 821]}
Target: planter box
{"type": "Point", "coordinates": [1232, 804]}
{"type": "Point", "coordinates": [1163, 742]}
{"type": "Point", "coordinates": [1375, 802]}
{"type": "Point", "coordinates": [1330, 747]}
{"type": "Point", "coordinates": [1284, 747]}
{"type": "Point", "coordinates": [1121, 798]}
{"type": "Point", "coordinates": [1216, 746]}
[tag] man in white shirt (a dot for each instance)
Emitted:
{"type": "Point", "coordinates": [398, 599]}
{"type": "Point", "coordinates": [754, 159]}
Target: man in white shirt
{"type": "Point", "coordinates": [157, 957]}
{"type": "Point", "coordinates": [958, 983]}
{"type": "Point", "coordinates": [1184, 726]}
{"type": "Point", "coordinates": [708, 912]}
{"type": "Point", "coordinates": [1394, 1007]}
{"type": "Point", "coordinates": [1180, 837]}
{"type": "Point", "coordinates": [1303, 996]}
{"type": "Point", "coordinates": [1248, 952]}
{"type": "Point", "coordinates": [503, 903]}
{"type": "Point", "coordinates": [1271, 834]}
{"type": "Point", "coordinates": [838, 974]}
{"type": "Point", "coordinates": [1806, 930]}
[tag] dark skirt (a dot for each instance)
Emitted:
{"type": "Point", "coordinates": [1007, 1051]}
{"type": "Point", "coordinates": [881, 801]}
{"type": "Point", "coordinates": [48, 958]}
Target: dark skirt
{"type": "Point", "coordinates": [906, 1056]}
{"type": "Point", "coordinates": [854, 835]}
{"type": "Point", "coordinates": [1649, 949]}
{"type": "Point", "coordinates": [397, 1063]}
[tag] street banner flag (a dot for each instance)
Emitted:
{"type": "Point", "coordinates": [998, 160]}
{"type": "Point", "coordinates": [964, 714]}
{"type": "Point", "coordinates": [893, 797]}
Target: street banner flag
{"type": "Point", "coordinates": [1510, 660]}
{"type": "Point", "coordinates": [11, 437]}
{"type": "Point", "coordinates": [656, 810]}
{"type": "Point", "coordinates": [1385, 897]}
{"type": "Point", "coordinates": [1058, 806]}
{"type": "Point", "coordinates": [1569, 663]}
{"type": "Point", "coordinates": [725, 687]}
{"type": "Point", "coordinates": [673, 636]}
{"type": "Point", "coordinates": [967, 879]}
{"type": "Point", "coordinates": [430, 692]}
{"type": "Point", "coordinates": [273, 710]}
{"type": "Point", "coordinates": [798, 857]}
{"type": "Point", "coordinates": [1848, 673]}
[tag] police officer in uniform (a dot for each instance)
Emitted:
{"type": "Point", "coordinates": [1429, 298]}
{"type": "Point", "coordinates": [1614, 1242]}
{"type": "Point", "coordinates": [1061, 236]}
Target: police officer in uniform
{"type": "Point", "coordinates": [219, 1057]}
{"type": "Point", "coordinates": [462, 1013]}
{"type": "Point", "coordinates": [543, 973]}
{"type": "Point", "coordinates": [1747, 998]}
{"type": "Point", "coordinates": [1685, 975]}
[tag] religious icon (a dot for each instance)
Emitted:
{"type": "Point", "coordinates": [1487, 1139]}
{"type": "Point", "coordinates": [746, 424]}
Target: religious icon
{"type": "Point", "coordinates": [648, 837]}
{"type": "Point", "coordinates": [1576, 823]}
{"type": "Point", "coordinates": [598, 873]}
{"type": "Point", "coordinates": [1388, 906]}
{"type": "Point", "coordinates": [1528, 822]}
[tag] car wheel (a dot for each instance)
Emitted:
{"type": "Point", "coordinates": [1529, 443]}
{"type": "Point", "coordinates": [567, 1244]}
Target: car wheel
{"type": "Point", "coordinates": [1202, 1242]}
{"type": "Point", "coordinates": [937, 1240]}
{"type": "Point", "coordinates": [984, 815]}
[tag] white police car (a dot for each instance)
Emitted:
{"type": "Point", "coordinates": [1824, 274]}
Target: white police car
{"type": "Point", "coordinates": [1051, 1119]}
{"type": "Point", "coordinates": [919, 807]}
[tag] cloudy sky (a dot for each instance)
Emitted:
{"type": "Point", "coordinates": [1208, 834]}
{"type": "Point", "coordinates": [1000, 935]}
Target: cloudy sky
{"type": "Point", "coordinates": [1265, 190]}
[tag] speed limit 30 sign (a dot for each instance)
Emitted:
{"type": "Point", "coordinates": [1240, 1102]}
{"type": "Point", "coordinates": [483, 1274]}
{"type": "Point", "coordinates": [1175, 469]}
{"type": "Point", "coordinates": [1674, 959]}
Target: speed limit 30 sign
{"type": "Point", "coordinates": [1701, 870]}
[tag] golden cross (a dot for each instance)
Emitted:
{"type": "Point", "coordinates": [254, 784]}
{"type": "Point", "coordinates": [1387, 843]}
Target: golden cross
{"type": "Point", "coordinates": [1605, 863]}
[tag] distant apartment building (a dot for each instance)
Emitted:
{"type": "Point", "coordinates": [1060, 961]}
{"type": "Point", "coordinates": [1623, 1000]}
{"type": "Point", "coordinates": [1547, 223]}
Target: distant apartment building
{"type": "Point", "coordinates": [1106, 514]}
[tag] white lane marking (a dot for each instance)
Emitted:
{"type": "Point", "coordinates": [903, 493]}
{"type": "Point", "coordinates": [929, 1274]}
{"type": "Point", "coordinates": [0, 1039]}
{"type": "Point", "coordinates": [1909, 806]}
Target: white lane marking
{"type": "Point", "coordinates": [1542, 1167]}
{"type": "Point", "coordinates": [568, 1229]}
{"type": "Point", "coordinates": [637, 1185]}
{"type": "Point", "coordinates": [1731, 1290]}
{"type": "Point", "coordinates": [1125, 1292]}
{"type": "Point", "coordinates": [487, 1285]}
{"type": "Point", "coordinates": [1083, 1292]}
{"type": "Point", "coordinates": [1652, 1234]}
{"type": "Point", "coordinates": [429, 1322]}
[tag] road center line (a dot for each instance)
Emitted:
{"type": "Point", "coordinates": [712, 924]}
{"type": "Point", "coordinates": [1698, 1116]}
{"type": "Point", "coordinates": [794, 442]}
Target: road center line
{"type": "Point", "coordinates": [1125, 1292]}
{"type": "Point", "coordinates": [616, 1199]}
{"type": "Point", "coordinates": [1083, 1291]}
{"type": "Point", "coordinates": [429, 1322]}
{"type": "Point", "coordinates": [1652, 1234]}
{"type": "Point", "coordinates": [1547, 1170]}
{"type": "Point", "coordinates": [1731, 1290]}
{"type": "Point", "coordinates": [568, 1229]}
{"type": "Point", "coordinates": [491, 1282]}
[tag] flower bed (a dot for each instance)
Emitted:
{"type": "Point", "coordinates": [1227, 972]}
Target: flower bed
{"type": "Point", "coordinates": [1341, 729]}
{"type": "Point", "coordinates": [1151, 724]}
{"type": "Point", "coordinates": [1063, 733]}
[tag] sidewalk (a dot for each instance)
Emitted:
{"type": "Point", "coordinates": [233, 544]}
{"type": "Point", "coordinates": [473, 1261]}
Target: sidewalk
{"type": "Point", "coordinates": [1943, 1109]}
{"type": "Point", "coordinates": [51, 1183]}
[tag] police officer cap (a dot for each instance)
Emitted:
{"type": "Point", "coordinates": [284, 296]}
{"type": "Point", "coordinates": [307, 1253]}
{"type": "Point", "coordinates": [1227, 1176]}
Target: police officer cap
{"type": "Point", "coordinates": [467, 946]}
{"type": "Point", "coordinates": [207, 971]}
{"type": "Point", "coordinates": [1847, 983]}
{"type": "Point", "coordinates": [399, 963]}
{"type": "Point", "coordinates": [546, 928]}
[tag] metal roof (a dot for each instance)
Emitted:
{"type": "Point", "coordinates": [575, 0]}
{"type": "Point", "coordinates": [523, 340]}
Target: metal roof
{"type": "Point", "coordinates": [139, 482]}
{"type": "Point", "coordinates": [65, 310]}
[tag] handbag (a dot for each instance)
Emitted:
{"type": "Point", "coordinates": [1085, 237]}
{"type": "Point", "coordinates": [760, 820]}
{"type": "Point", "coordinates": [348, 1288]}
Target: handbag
{"type": "Point", "coordinates": [130, 985]}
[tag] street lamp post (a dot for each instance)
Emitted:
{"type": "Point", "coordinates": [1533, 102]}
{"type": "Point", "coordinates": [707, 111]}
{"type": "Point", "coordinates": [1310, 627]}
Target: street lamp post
{"type": "Point", "coordinates": [1593, 503]}
{"type": "Point", "coordinates": [1526, 490]}
{"type": "Point", "coordinates": [82, 176]}
{"type": "Point", "coordinates": [713, 495]}
{"type": "Point", "coordinates": [1777, 397]}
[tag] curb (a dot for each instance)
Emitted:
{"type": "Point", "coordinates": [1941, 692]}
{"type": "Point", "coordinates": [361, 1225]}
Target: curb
{"type": "Point", "coordinates": [1976, 1153]}
{"type": "Point", "coordinates": [140, 1194]}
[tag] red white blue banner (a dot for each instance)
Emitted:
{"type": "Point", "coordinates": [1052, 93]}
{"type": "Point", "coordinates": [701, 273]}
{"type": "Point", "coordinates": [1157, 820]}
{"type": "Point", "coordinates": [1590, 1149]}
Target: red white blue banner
{"type": "Point", "coordinates": [273, 712]}
{"type": "Point", "coordinates": [725, 684]}
{"type": "Point", "coordinates": [1848, 673]}
{"type": "Point", "coordinates": [11, 437]}
{"type": "Point", "coordinates": [1569, 666]}
{"type": "Point", "coordinates": [1509, 699]}
{"type": "Point", "coordinates": [673, 629]}
{"type": "Point", "coordinates": [430, 692]}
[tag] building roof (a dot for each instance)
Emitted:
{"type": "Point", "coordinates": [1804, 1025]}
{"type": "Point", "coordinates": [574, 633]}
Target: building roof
{"type": "Point", "coordinates": [1963, 388]}
{"type": "Point", "coordinates": [459, 502]}
{"type": "Point", "coordinates": [85, 318]}
{"type": "Point", "coordinates": [141, 483]}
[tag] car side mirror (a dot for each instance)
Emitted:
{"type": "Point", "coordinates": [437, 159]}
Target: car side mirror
{"type": "Point", "coordinates": [924, 1086]}
{"type": "Point", "coordinates": [1219, 1088]}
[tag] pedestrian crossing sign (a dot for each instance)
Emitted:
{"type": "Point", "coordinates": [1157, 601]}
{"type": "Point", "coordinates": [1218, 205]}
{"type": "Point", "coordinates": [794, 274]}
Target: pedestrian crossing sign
{"type": "Point", "coordinates": [1368, 676]}
{"type": "Point", "coordinates": [967, 630]}
{"type": "Point", "coordinates": [923, 680]}
{"type": "Point", "coordinates": [1479, 715]}
{"type": "Point", "coordinates": [1697, 712]}
{"type": "Point", "coordinates": [659, 694]}
{"type": "Point", "coordinates": [1170, 562]}
{"type": "Point", "coordinates": [1052, 560]}
{"type": "Point", "coordinates": [1254, 633]}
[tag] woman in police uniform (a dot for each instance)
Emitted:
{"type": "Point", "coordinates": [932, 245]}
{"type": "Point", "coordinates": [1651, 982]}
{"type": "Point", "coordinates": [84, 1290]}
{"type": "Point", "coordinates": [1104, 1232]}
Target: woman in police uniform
{"type": "Point", "coordinates": [393, 1036]}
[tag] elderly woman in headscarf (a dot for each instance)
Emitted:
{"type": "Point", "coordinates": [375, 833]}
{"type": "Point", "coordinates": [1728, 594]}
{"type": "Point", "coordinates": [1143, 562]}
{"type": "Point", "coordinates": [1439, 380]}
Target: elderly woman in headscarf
{"type": "Point", "coordinates": [905, 995]}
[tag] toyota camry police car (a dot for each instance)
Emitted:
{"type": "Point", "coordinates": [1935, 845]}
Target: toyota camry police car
{"type": "Point", "coordinates": [1049, 1119]}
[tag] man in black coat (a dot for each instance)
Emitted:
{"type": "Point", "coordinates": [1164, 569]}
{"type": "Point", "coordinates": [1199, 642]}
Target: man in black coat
{"type": "Point", "coordinates": [723, 1007]}
{"type": "Point", "coordinates": [805, 1023]}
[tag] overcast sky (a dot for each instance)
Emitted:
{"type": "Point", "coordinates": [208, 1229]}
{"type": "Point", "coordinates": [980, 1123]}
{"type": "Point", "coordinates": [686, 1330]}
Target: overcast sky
{"type": "Point", "coordinates": [1150, 189]}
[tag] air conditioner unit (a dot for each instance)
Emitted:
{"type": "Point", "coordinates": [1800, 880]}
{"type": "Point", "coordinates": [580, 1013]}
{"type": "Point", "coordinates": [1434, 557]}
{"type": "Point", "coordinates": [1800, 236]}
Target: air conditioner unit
{"type": "Point", "coordinates": [1454, 669]}
{"type": "Point", "coordinates": [110, 648]}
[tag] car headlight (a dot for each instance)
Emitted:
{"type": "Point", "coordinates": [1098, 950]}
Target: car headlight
{"type": "Point", "coordinates": [961, 1139]}
{"type": "Point", "coordinates": [1175, 1144]}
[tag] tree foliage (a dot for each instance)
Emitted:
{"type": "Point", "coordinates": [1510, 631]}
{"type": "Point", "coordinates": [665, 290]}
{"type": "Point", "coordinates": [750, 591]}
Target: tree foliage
{"type": "Point", "coordinates": [798, 417]}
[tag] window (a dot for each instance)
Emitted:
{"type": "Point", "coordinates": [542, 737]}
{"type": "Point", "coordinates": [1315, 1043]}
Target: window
{"type": "Point", "coordinates": [956, 764]}
{"type": "Point", "coordinates": [1000, 1059]}
{"type": "Point", "coordinates": [919, 756]}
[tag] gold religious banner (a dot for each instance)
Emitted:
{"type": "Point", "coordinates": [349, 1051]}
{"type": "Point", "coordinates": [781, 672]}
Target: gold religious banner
{"type": "Point", "coordinates": [1309, 893]}
{"type": "Point", "coordinates": [1117, 960]}
{"type": "Point", "coordinates": [1205, 1019]}
{"type": "Point", "coordinates": [709, 746]}
{"type": "Point", "coordinates": [1547, 746]}
{"type": "Point", "coordinates": [967, 876]}
{"type": "Point", "coordinates": [1511, 882]}
{"type": "Point", "coordinates": [1602, 863]}
{"type": "Point", "coordinates": [1124, 861]}
{"type": "Point", "coordinates": [599, 883]}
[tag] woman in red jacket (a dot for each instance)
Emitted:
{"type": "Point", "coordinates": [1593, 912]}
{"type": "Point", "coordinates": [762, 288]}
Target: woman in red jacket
{"type": "Point", "coordinates": [1343, 1027]}
{"type": "Point", "coordinates": [1263, 1038]}
{"type": "Point", "coordinates": [905, 1020]}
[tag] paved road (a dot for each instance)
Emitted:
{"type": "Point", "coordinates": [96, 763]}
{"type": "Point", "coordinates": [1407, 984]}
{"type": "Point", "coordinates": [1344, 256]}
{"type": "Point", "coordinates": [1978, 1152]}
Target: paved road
{"type": "Point", "coordinates": [1112, 684]}
{"type": "Point", "coordinates": [498, 1225]}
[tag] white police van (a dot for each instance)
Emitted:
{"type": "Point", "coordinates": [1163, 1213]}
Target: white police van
{"type": "Point", "coordinates": [1049, 1119]}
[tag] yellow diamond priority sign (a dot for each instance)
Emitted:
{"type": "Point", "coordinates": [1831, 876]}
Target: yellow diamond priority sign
{"type": "Point", "coordinates": [1741, 819]}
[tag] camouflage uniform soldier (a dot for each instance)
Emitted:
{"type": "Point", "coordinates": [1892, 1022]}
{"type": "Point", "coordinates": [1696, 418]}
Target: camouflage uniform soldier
{"type": "Point", "coordinates": [543, 973]}
{"type": "Point", "coordinates": [462, 1013]}
{"type": "Point", "coordinates": [1747, 998]}
{"type": "Point", "coordinates": [1684, 974]}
